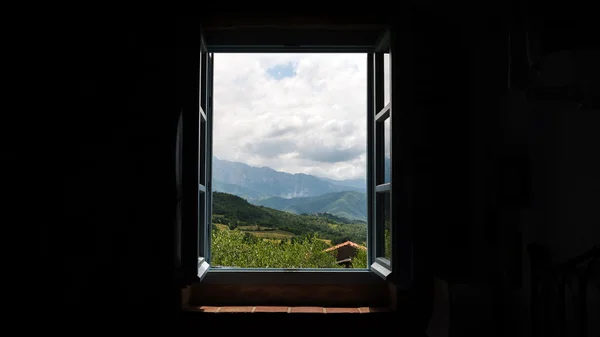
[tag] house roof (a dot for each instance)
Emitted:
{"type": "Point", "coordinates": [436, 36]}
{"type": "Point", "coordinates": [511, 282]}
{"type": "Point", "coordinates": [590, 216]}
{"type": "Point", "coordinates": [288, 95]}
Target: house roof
{"type": "Point", "coordinates": [347, 243]}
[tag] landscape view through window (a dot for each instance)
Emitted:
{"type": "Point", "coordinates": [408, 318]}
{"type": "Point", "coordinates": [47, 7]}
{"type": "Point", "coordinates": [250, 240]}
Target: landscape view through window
{"type": "Point", "coordinates": [289, 161]}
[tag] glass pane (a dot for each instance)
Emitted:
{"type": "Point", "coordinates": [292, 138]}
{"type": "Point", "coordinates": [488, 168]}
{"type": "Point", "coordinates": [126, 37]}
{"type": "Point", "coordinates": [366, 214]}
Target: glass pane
{"type": "Point", "coordinates": [204, 225]}
{"type": "Point", "coordinates": [383, 222]}
{"type": "Point", "coordinates": [386, 150]}
{"type": "Point", "coordinates": [386, 78]}
{"type": "Point", "coordinates": [202, 152]}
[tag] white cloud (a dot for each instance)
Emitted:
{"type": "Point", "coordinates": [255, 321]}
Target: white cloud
{"type": "Point", "coordinates": [313, 122]}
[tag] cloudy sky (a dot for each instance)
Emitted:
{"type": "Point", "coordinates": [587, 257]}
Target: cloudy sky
{"type": "Point", "coordinates": [297, 113]}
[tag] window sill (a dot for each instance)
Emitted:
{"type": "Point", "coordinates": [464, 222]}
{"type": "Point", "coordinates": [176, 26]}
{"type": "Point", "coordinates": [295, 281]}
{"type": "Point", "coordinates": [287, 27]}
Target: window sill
{"type": "Point", "coordinates": [287, 310]}
{"type": "Point", "coordinates": [292, 288]}
{"type": "Point", "coordinates": [291, 276]}
{"type": "Point", "coordinates": [290, 295]}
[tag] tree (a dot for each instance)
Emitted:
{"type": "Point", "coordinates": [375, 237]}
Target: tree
{"type": "Point", "coordinates": [360, 260]}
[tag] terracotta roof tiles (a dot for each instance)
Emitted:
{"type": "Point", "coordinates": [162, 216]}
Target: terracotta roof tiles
{"type": "Point", "coordinates": [350, 243]}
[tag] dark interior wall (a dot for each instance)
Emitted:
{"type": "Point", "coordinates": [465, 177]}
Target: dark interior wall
{"type": "Point", "coordinates": [464, 220]}
{"type": "Point", "coordinates": [566, 219]}
{"type": "Point", "coordinates": [561, 145]}
{"type": "Point", "coordinates": [509, 171]}
{"type": "Point", "coordinates": [565, 187]}
{"type": "Point", "coordinates": [118, 178]}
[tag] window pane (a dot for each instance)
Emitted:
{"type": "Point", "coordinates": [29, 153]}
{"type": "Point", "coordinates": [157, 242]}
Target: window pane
{"type": "Point", "coordinates": [386, 150]}
{"type": "Point", "coordinates": [202, 219]}
{"type": "Point", "coordinates": [386, 78]}
{"type": "Point", "coordinates": [202, 154]}
{"type": "Point", "coordinates": [383, 222]}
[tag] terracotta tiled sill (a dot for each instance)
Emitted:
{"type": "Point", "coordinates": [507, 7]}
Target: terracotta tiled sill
{"type": "Point", "coordinates": [289, 310]}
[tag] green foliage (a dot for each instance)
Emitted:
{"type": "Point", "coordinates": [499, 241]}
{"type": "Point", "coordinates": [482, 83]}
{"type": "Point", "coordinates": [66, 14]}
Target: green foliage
{"type": "Point", "coordinates": [235, 248]}
{"type": "Point", "coordinates": [338, 219]}
{"type": "Point", "coordinates": [235, 212]}
{"type": "Point", "coordinates": [388, 244]}
{"type": "Point", "coordinates": [241, 242]}
{"type": "Point", "coordinates": [360, 260]}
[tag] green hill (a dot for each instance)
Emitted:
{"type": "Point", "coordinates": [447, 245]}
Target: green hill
{"type": "Point", "coordinates": [234, 211]}
{"type": "Point", "coordinates": [348, 204]}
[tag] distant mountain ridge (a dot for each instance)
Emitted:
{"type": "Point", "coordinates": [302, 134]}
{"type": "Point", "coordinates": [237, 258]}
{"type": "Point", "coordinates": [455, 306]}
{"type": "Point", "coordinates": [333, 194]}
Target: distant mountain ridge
{"type": "Point", "coordinates": [257, 183]}
{"type": "Point", "coordinates": [347, 204]}
{"type": "Point", "coordinates": [359, 184]}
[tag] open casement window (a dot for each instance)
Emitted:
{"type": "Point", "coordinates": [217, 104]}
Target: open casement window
{"type": "Point", "coordinates": [390, 241]}
{"type": "Point", "coordinates": [379, 158]}
{"type": "Point", "coordinates": [379, 161]}
{"type": "Point", "coordinates": [193, 161]}
{"type": "Point", "coordinates": [386, 260]}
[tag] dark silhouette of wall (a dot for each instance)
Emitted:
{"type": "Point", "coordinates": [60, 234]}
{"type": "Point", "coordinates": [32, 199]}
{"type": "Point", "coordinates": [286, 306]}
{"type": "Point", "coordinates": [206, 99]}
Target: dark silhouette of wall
{"type": "Point", "coordinates": [114, 261]}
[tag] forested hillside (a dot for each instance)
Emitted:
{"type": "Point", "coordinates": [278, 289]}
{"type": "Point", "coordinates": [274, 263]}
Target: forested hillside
{"type": "Point", "coordinates": [235, 212]}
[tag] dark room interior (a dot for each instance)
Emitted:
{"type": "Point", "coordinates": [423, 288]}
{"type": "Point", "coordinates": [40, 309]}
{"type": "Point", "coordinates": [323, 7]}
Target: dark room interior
{"type": "Point", "coordinates": [497, 110]}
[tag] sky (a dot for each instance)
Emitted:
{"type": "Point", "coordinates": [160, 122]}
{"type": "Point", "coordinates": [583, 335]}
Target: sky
{"type": "Point", "coordinates": [297, 113]}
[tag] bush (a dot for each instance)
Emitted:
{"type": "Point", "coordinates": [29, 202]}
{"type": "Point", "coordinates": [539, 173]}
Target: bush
{"type": "Point", "coordinates": [234, 248]}
{"type": "Point", "coordinates": [360, 260]}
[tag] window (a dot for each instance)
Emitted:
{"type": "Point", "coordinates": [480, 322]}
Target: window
{"type": "Point", "coordinates": [389, 258]}
{"type": "Point", "coordinates": [193, 163]}
{"type": "Point", "coordinates": [381, 144]}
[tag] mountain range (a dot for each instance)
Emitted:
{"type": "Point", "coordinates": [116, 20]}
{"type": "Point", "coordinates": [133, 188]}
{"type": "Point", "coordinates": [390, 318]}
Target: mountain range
{"type": "Point", "coordinates": [348, 204]}
{"type": "Point", "coordinates": [256, 183]}
{"type": "Point", "coordinates": [294, 193]}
